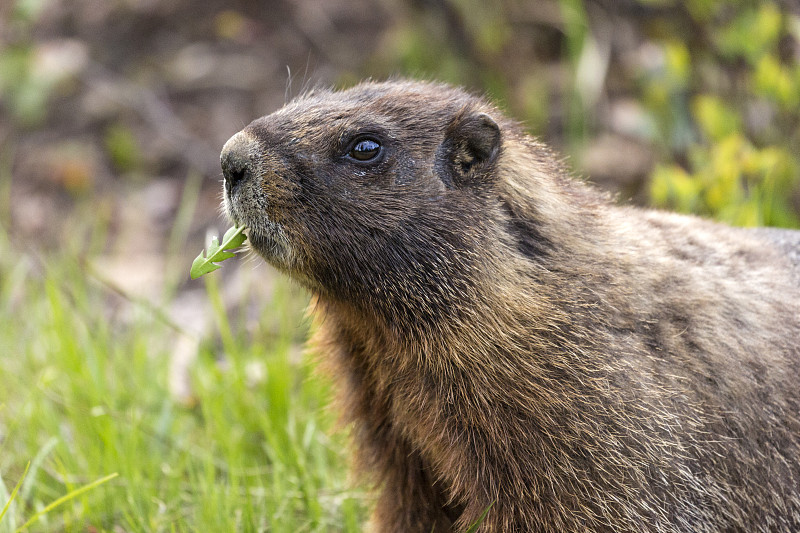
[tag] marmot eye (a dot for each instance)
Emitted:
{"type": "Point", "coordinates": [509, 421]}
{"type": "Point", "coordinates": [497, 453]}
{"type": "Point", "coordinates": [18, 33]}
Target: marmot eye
{"type": "Point", "coordinates": [365, 150]}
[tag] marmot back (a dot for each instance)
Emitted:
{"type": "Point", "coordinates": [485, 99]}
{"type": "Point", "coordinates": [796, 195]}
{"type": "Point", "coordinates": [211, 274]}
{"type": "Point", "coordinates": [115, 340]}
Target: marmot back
{"type": "Point", "coordinates": [503, 335]}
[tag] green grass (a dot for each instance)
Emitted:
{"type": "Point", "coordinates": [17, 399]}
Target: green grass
{"type": "Point", "coordinates": [85, 408]}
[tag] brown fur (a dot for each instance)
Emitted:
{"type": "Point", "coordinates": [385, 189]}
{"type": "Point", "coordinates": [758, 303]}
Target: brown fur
{"type": "Point", "coordinates": [502, 334]}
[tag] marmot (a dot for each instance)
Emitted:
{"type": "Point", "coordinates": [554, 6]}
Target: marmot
{"type": "Point", "coordinates": [506, 338]}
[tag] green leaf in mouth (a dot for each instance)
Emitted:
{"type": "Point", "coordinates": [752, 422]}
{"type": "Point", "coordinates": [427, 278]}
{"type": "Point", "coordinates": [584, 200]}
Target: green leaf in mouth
{"type": "Point", "coordinates": [218, 252]}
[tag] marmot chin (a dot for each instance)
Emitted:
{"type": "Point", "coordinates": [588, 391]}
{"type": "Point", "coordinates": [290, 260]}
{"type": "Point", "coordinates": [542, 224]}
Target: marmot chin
{"type": "Point", "coordinates": [505, 338]}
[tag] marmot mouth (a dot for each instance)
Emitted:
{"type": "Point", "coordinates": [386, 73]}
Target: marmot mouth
{"type": "Point", "coordinates": [266, 237]}
{"type": "Point", "coordinates": [269, 240]}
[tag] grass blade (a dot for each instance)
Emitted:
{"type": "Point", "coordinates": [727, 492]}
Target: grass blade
{"type": "Point", "coordinates": [45, 450]}
{"type": "Point", "coordinates": [65, 498]}
{"type": "Point", "coordinates": [477, 523]}
{"type": "Point", "coordinates": [14, 492]}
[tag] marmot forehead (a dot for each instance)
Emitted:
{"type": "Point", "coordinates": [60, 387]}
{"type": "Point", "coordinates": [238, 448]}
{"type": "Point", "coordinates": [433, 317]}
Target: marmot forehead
{"type": "Point", "coordinates": [387, 94]}
{"type": "Point", "coordinates": [401, 103]}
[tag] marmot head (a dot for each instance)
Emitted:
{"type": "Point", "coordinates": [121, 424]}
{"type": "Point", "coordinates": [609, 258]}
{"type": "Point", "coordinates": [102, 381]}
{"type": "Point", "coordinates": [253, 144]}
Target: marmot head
{"type": "Point", "coordinates": [381, 194]}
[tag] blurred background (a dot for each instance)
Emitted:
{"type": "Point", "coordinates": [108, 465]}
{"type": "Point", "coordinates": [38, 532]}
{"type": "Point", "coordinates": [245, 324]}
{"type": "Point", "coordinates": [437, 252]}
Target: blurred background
{"type": "Point", "coordinates": [112, 116]}
{"type": "Point", "coordinates": [110, 109]}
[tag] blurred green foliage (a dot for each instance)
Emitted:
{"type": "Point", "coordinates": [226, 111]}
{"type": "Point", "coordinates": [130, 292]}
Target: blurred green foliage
{"type": "Point", "coordinates": [26, 93]}
{"type": "Point", "coordinates": [726, 103]}
{"type": "Point", "coordinates": [25, 89]}
{"type": "Point", "coordinates": [122, 147]}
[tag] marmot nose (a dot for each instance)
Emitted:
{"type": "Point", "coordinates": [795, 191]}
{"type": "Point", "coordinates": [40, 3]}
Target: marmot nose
{"type": "Point", "coordinates": [236, 161]}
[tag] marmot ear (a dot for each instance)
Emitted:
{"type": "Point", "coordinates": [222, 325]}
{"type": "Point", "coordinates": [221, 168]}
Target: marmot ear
{"type": "Point", "coordinates": [471, 145]}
